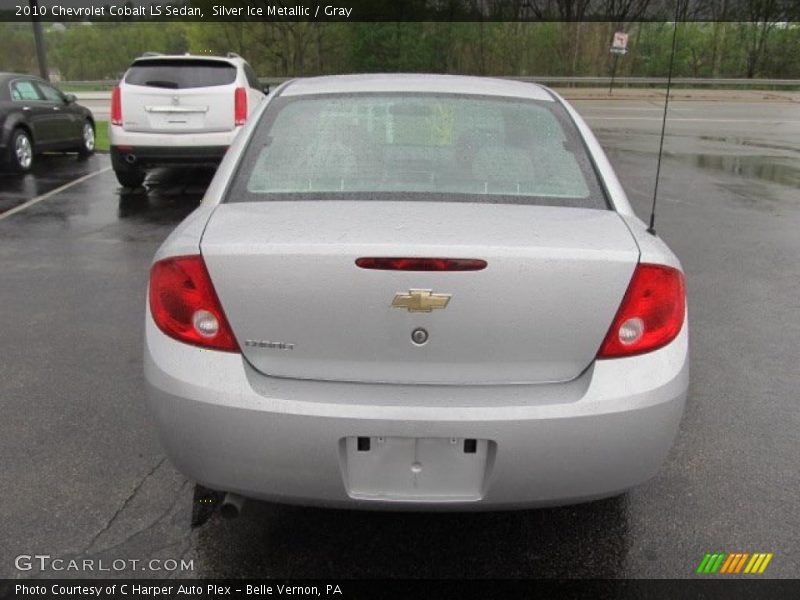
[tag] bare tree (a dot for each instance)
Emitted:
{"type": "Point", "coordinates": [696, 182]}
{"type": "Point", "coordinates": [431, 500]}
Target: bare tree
{"type": "Point", "coordinates": [763, 14]}
{"type": "Point", "coordinates": [621, 12]}
{"type": "Point", "coordinates": [572, 11]}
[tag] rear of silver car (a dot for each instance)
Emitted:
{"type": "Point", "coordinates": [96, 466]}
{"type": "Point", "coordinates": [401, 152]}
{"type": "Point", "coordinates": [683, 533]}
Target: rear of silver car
{"type": "Point", "coordinates": [466, 345]}
{"type": "Point", "coordinates": [178, 110]}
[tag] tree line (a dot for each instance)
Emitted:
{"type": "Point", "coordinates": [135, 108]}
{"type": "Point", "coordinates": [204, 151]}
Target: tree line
{"type": "Point", "coordinates": [103, 50]}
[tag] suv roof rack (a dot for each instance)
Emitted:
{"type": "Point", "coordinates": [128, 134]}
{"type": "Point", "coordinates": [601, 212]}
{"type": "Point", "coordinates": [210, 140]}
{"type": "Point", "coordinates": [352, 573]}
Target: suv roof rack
{"type": "Point", "coordinates": [152, 54]}
{"type": "Point", "coordinates": [232, 55]}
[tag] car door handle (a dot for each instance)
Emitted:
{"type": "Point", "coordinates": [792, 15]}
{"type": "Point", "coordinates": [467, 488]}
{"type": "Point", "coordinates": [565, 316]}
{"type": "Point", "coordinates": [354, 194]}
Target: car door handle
{"type": "Point", "coordinates": [56, 108]}
{"type": "Point", "coordinates": [26, 108]}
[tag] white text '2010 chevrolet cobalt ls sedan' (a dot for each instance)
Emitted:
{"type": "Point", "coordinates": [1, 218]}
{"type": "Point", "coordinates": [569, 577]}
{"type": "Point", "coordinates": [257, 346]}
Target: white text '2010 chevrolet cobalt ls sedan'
{"type": "Point", "coordinates": [416, 291]}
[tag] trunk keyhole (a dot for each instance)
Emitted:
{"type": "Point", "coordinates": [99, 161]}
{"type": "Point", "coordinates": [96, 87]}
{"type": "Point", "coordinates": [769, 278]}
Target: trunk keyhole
{"type": "Point", "coordinates": [419, 336]}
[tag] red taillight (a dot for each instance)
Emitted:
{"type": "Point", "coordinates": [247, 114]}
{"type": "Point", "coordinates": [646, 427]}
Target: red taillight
{"type": "Point", "coordinates": [185, 306]}
{"type": "Point", "coordinates": [240, 106]}
{"type": "Point", "coordinates": [388, 263]}
{"type": "Point", "coordinates": [651, 314]}
{"type": "Point", "coordinates": [116, 106]}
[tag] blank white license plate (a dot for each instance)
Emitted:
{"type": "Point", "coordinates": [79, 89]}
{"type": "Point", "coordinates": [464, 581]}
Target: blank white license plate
{"type": "Point", "coordinates": [176, 120]}
{"type": "Point", "coordinates": [416, 469]}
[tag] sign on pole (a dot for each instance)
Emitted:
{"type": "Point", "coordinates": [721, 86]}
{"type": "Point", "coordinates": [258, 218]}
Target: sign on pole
{"type": "Point", "coordinates": [620, 43]}
{"type": "Point", "coordinates": [619, 47]}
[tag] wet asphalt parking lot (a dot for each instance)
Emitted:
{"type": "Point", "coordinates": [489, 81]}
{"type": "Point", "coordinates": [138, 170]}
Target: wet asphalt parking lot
{"type": "Point", "coordinates": [84, 477]}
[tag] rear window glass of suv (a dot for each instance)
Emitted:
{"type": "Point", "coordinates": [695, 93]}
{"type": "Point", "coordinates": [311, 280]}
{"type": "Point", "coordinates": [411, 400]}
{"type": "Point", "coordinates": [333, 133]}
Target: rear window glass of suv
{"type": "Point", "coordinates": [417, 146]}
{"type": "Point", "coordinates": [180, 74]}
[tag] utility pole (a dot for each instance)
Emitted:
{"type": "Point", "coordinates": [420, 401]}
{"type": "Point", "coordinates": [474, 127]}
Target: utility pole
{"type": "Point", "coordinates": [41, 51]}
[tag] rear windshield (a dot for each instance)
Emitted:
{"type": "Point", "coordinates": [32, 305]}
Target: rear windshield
{"type": "Point", "coordinates": [440, 147]}
{"type": "Point", "coordinates": [180, 74]}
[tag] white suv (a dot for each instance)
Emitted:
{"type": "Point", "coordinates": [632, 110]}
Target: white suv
{"type": "Point", "coordinates": [178, 110]}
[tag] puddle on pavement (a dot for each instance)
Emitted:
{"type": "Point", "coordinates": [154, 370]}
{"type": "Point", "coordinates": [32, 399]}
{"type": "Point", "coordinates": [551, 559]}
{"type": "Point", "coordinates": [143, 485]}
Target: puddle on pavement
{"type": "Point", "coordinates": [782, 170]}
{"type": "Point", "coordinates": [739, 141]}
{"type": "Point", "coordinates": [765, 168]}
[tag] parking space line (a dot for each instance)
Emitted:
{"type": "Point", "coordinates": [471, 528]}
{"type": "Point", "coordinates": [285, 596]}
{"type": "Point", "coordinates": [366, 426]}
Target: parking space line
{"type": "Point", "coordinates": [693, 119]}
{"type": "Point", "coordinates": [58, 190]}
{"type": "Point", "coordinates": [629, 108]}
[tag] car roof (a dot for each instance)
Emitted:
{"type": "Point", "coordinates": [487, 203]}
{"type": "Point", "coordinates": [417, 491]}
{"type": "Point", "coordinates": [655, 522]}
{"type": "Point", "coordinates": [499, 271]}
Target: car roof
{"type": "Point", "coordinates": [193, 57]}
{"type": "Point", "coordinates": [423, 83]}
{"type": "Point", "coordinates": [9, 76]}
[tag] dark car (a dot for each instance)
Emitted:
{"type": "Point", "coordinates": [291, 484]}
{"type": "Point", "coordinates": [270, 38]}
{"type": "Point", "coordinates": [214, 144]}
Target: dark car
{"type": "Point", "coordinates": [35, 117]}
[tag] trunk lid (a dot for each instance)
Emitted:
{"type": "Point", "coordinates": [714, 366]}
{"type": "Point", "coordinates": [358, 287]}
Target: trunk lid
{"type": "Point", "coordinates": [164, 110]}
{"type": "Point", "coordinates": [299, 306]}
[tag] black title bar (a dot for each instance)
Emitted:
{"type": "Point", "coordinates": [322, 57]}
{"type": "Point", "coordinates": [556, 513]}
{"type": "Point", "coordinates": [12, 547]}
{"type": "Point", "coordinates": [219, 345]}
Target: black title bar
{"type": "Point", "coordinates": [768, 11]}
{"type": "Point", "coordinates": [441, 589]}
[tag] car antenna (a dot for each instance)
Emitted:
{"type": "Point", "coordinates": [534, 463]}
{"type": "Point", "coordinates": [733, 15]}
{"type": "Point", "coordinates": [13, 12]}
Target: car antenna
{"type": "Point", "coordinates": [652, 227]}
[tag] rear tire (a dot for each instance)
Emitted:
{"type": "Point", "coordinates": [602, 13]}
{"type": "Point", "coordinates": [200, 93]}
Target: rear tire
{"type": "Point", "coordinates": [131, 178]}
{"type": "Point", "coordinates": [88, 140]}
{"type": "Point", "coordinates": [20, 151]}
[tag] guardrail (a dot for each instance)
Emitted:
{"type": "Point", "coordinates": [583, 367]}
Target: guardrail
{"type": "Point", "coordinates": [676, 81]}
{"type": "Point", "coordinates": [107, 84]}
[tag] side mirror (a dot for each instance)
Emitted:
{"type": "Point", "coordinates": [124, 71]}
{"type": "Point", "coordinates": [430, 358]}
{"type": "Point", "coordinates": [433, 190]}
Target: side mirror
{"type": "Point", "coordinates": [70, 98]}
{"type": "Point", "coordinates": [266, 90]}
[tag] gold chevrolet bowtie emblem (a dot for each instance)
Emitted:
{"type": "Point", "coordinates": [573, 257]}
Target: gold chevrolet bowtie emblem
{"type": "Point", "coordinates": [420, 300]}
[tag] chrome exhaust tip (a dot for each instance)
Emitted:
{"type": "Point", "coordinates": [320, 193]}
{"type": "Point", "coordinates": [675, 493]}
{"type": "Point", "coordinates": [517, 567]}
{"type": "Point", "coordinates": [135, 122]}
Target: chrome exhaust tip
{"type": "Point", "coordinates": [231, 506]}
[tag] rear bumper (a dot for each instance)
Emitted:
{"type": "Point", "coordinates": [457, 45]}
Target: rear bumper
{"type": "Point", "coordinates": [143, 157]}
{"type": "Point", "coordinates": [165, 149]}
{"type": "Point", "coordinates": [233, 429]}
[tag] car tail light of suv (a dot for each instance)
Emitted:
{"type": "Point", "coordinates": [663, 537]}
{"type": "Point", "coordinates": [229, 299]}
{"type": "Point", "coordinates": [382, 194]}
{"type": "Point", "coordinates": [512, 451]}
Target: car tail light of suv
{"type": "Point", "coordinates": [651, 314]}
{"type": "Point", "coordinates": [240, 106]}
{"type": "Point", "coordinates": [185, 306]}
{"type": "Point", "coordinates": [116, 106]}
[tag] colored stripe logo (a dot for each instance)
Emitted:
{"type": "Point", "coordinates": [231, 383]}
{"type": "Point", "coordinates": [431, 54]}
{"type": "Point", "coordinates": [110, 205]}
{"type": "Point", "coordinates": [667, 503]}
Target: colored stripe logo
{"type": "Point", "coordinates": [734, 563]}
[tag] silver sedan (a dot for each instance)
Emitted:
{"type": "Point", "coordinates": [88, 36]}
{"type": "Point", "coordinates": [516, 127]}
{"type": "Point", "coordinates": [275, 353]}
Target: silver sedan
{"type": "Point", "coordinates": [416, 292]}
